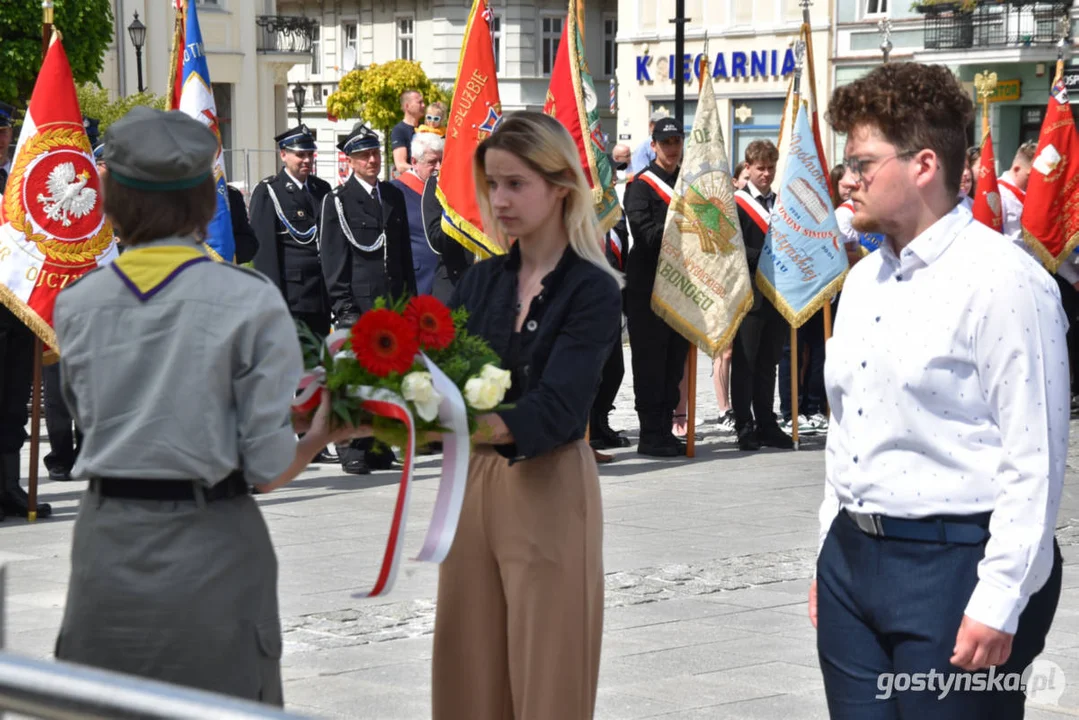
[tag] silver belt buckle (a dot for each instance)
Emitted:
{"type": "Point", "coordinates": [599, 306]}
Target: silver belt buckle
{"type": "Point", "coordinates": [867, 523]}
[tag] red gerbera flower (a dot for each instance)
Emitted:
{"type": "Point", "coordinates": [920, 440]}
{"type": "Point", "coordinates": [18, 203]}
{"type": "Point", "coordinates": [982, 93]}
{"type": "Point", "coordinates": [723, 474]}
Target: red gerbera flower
{"type": "Point", "coordinates": [432, 320]}
{"type": "Point", "coordinates": [384, 342]}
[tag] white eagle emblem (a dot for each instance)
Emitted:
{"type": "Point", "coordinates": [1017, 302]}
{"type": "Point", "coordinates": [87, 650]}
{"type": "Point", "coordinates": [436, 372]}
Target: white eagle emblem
{"type": "Point", "coordinates": [68, 194]}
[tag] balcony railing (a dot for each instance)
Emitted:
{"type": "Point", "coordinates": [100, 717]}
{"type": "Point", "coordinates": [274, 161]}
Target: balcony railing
{"type": "Point", "coordinates": [285, 34]}
{"type": "Point", "coordinates": [994, 24]}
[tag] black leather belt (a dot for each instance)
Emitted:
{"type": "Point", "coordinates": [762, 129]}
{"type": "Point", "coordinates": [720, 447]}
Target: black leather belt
{"type": "Point", "coordinates": [231, 487]}
{"type": "Point", "coordinates": [959, 529]}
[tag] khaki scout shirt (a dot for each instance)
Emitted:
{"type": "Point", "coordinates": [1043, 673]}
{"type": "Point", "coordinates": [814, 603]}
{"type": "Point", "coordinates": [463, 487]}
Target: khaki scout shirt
{"type": "Point", "coordinates": [195, 381]}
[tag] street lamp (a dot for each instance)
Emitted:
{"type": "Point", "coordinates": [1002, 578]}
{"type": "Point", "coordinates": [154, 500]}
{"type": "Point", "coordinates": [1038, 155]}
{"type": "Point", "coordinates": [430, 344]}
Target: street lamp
{"type": "Point", "coordinates": [884, 27]}
{"type": "Point", "coordinates": [137, 32]}
{"type": "Point", "coordinates": [299, 94]}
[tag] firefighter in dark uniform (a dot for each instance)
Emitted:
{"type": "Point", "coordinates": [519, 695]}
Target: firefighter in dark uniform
{"type": "Point", "coordinates": [366, 253]}
{"type": "Point", "coordinates": [601, 435]}
{"type": "Point", "coordinates": [16, 374]}
{"type": "Point", "coordinates": [658, 351]}
{"type": "Point", "coordinates": [285, 215]}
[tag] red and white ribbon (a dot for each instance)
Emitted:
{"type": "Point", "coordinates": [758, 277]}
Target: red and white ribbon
{"type": "Point", "coordinates": [455, 455]}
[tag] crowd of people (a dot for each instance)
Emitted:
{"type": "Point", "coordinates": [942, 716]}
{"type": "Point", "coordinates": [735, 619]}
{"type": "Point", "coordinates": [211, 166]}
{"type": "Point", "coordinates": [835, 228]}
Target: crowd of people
{"type": "Point", "coordinates": [943, 479]}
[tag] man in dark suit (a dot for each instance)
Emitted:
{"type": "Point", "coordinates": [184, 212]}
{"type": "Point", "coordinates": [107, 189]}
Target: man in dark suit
{"type": "Point", "coordinates": [285, 216]}
{"type": "Point", "coordinates": [758, 343]}
{"type": "Point", "coordinates": [366, 253]}
{"type": "Point", "coordinates": [426, 160]}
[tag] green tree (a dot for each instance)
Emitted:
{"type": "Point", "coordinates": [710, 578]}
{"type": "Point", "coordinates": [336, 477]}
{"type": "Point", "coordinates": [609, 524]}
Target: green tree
{"type": "Point", "coordinates": [86, 27]}
{"type": "Point", "coordinates": [373, 94]}
{"type": "Point", "coordinates": [94, 102]}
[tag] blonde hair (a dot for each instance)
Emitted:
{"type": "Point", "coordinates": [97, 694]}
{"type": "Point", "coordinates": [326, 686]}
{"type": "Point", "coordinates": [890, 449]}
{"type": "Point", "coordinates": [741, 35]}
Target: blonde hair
{"type": "Point", "coordinates": [545, 146]}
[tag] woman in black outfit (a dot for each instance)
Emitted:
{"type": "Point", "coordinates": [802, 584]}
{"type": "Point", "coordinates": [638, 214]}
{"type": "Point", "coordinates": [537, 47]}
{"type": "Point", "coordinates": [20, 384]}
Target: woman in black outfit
{"type": "Point", "coordinates": [520, 596]}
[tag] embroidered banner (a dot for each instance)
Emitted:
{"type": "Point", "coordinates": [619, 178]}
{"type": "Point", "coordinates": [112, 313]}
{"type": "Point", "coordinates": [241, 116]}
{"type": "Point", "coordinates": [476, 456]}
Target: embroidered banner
{"type": "Point", "coordinates": [52, 228]}
{"type": "Point", "coordinates": [702, 287]}
{"type": "Point", "coordinates": [803, 261]}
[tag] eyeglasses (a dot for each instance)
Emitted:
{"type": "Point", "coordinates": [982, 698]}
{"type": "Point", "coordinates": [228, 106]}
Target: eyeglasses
{"type": "Point", "coordinates": [856, 166]}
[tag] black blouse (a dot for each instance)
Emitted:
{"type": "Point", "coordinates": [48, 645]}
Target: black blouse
{"type": "Point", "coordinates": [557, 360]}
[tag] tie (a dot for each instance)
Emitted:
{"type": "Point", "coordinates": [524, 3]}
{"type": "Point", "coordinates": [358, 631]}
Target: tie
{"type": "Point", "coordinates": [768, 200]}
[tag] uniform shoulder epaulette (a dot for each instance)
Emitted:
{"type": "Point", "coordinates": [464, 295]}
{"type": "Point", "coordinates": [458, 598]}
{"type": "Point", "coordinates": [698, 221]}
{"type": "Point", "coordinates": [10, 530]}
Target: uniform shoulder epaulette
{"type": "Point", "coordinates": [315, 179]}
{"type": "Point", "coordinates": [268, 179]}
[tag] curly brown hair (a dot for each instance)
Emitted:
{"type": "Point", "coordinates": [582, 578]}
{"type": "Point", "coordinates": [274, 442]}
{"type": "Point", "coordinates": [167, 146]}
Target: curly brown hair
{"type": "Point", "coordinates": [914, 107]}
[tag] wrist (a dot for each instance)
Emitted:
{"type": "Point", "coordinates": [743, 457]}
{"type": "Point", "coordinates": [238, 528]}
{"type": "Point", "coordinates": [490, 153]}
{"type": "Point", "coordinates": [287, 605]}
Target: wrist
{"type": "Point", "coordinates": [310, 445]}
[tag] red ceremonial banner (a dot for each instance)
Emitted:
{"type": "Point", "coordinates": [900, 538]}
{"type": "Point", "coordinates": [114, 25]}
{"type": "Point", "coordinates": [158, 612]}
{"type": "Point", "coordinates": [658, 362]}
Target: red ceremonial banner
{"type": "Point", "coordinates": [1051, 209]}
{"type": "Point", "coordinates": [476, 113]}
{"type": "Point", "coordinates": [987, 208]}
{"type": "Point", "coordinates": [52, 228]}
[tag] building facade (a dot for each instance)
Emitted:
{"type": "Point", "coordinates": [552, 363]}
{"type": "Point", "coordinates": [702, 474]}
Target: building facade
{"type": "Point", "coordinates": [1014, 39]}
{"type": "Point", "coordinates": [352, 34]}
{"type": "Point", "coordinates": [249, 48]}
{"type": "Point", "coordinates": [750, 59]}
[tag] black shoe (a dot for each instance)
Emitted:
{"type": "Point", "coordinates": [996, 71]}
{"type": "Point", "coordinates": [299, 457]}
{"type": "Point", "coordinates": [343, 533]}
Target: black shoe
{"type": "Point", "coordinates": [659, 447]}
{"type": "Point", "coordinates": [356, 467]}
{"type": "Point", "coordinates": [13, 499]}
{"type": "Point", "coordinates": [772, 436]}
{"type": "Point", "coordinates": [602, 437]}
{"type": "Point", "coordinates": [325, 457]}
{"type": "Point", "coordinates": [379, 458]}
{"type": "Point", "coordinates": [59, 475]}
{"type": "Point", "coordinates": [747, 439]}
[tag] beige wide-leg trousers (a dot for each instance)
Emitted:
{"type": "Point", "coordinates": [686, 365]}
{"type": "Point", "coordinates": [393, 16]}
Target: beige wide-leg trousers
{"type": "Point", "coordinates": [519, 621]}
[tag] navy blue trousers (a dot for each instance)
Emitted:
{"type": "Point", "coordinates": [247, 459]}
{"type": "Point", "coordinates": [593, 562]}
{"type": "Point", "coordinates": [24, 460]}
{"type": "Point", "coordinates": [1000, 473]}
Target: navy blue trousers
{"type": "Point", "coordinates": [894, 606]}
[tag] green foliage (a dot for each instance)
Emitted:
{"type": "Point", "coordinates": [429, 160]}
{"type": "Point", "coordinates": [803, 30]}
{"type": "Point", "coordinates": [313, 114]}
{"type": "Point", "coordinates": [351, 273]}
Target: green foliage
{"type": "Point", "coordinates": [374, 93]}
{"type": "Point", "coordinates": [94, 102]}
{"type": "Point", "coordinates": [86, 27]}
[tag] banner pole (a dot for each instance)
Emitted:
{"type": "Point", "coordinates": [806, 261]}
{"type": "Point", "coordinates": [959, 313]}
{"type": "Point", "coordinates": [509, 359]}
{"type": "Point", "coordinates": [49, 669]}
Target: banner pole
{"type": "Point", "coordinates": [794, 386]}
{"type": "Point", "coordinates": [691, 367]}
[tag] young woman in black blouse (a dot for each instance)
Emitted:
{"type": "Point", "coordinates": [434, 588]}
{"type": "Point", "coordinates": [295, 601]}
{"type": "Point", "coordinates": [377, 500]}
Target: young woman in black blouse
{"type": "Point", "coordinates": [520, 596]}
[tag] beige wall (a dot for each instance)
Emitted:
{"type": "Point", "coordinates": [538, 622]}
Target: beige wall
{"type": "Point", "coordinates": [230, 36]}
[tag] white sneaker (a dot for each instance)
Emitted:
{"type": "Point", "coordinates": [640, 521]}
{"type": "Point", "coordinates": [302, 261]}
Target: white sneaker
{"type": "Point", "coordinates": [819, 423]}
{"type": "Point", "coordinates": [804, 426]}
{"type": "Point", "coordinates": [725, 423]}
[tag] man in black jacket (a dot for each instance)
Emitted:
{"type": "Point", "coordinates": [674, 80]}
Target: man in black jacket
{"type": "Point", "coordinates": [453, 258]}
{"type": "Point", "coordinates": [759, 341]}
{"type": "Point", "coordinates": [366, 253]}
{"type": "Point", "coordinates": [285, 216]}
{"type": "Point", "coordinates": [658, 351]}
{"type": "Point", "coordinates": [242, 232]}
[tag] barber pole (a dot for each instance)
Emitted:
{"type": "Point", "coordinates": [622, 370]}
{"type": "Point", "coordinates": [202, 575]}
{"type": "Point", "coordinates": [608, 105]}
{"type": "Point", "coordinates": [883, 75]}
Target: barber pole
{"type": "Point", "coordinates": [614, 96]}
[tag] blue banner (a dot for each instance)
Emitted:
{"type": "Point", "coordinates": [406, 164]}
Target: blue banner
{"type": "Point", "coordinates": [803, 261]}
{"type": "Point", "coordinates": [197, 100]}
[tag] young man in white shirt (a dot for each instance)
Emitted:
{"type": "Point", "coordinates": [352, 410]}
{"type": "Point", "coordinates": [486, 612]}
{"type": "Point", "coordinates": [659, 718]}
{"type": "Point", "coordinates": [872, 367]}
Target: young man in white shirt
{"type": "Point", "coordinates": [947, 378]}
{"type": "Point", "coordinates": [1013, 191]}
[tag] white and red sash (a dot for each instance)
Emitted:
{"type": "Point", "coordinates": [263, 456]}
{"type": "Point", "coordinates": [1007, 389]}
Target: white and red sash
{"type": "Point", "coordinates": [754, 209]}
{"type": "Point", "coordinates": [615, 244]}
{"type": "Point", "coordinates": [412, 181]}
{"type": "Point", "coordinates": [1019, 194]}
{"type": "Point", "coordinates": [662, 189]}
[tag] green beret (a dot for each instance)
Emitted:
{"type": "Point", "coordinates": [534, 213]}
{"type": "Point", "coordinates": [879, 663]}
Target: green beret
{"type": "Point", "coordinates": [151, 149]}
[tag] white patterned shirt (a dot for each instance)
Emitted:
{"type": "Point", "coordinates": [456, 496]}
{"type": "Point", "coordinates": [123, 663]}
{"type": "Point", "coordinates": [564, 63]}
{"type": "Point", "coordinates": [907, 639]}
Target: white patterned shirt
{"type": "Point", "coordinates": [948, 382]}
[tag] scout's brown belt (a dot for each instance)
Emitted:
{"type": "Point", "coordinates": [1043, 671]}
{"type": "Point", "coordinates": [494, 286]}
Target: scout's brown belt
{"type": "Point", "coordinates": [232, 486]}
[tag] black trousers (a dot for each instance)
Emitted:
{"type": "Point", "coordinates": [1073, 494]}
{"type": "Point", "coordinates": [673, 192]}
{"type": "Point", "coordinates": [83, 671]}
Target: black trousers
{"type": "Point", "coordinates": [890, 609]}
{"type": "Point", "coordinates": [1069, 299]}
{"type": "Point", "coordinates": [609, 382]}
{"type": "Point", "coordinates": [64, 437]}
{"type": "Point", "coordinates": [16, 379]}
{"type": "Point", "coordinates": [811, 395]}
{"type": "Point", "coordinates": [757, 348]}
{"type": "Point", "coordinates": [318, 322]}
{"type": "Point", "coordinates": [658, 356]}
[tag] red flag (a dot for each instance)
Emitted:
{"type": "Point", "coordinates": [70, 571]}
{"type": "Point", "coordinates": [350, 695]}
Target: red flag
{"type": "Point", "coordinates": [987, 208]}
{"type": "Point", "coordinates": [176, 79]}
{"type": "Point", "coordinates": [1051, 209]}
{"type": "Point", "coordinates": [52, 228]}
{"type": "Point", "coordinates": [476, 113]}
{"type": "Point", "coordinates": [572, 99]}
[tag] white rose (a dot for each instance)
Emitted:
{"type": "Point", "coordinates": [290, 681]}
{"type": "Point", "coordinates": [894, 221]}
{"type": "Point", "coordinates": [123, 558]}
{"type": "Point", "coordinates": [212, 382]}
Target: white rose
{"type": "Point", "coordinates": [498, 377]}
{"type": "Point", "coordinates": [417, 388]}
{"type": "Point", "coordinates": [482, 394]}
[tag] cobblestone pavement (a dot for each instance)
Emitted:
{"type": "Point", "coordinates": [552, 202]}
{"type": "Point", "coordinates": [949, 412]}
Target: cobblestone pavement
{"type": "Point", "coordinates": [708, 562]}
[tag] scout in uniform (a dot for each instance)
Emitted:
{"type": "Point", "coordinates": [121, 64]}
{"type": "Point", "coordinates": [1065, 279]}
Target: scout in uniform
{"type": "Point", "coordinates": [180, 371]}
{"type": "Point", "coordinates": [285, 216]}
{"type": "Point", "coordinates": [366, 253]}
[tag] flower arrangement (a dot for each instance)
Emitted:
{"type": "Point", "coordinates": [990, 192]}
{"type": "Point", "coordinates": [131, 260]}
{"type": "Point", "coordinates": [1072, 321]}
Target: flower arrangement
{"type": "Point", "coordinates": [397, 347]}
